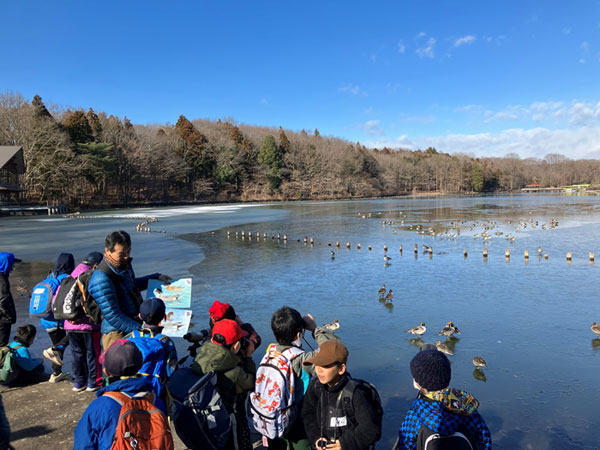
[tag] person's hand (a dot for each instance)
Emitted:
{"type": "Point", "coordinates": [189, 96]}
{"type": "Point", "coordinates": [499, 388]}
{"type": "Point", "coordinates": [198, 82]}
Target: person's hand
{"type": "Point", "coordinates": [249, 348]}
{"type": "Point", "coordinates": [335, 445]}
{"type": "Point", "coordinates": [309, 323]}
{"type": "Point", "coordinates": [321, 443]}
{"type": "Point", "coordinates": [165, 278]}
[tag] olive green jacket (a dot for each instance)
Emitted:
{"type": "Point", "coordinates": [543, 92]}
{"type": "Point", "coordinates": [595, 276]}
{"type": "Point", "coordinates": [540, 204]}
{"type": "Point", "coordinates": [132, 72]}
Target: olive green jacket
{"type": "Point", "coordinates": [235, 375]}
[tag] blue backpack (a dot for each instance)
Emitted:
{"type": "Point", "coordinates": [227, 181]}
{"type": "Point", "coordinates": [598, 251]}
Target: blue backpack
{"type": "Point", "coordinates": [40, 304]}
{"type": "Point", "coordinates": [155, 354]}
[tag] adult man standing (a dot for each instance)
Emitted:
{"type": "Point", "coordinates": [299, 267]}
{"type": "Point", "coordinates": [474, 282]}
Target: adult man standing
{"type": "Point", "coordinates": [8, 315]}
{"type": "Point", "coordinates": [116, 289]}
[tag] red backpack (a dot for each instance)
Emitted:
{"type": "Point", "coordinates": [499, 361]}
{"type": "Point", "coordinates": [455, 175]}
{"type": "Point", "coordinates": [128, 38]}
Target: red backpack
{"type": "Point", "coordinates": [141, 425]}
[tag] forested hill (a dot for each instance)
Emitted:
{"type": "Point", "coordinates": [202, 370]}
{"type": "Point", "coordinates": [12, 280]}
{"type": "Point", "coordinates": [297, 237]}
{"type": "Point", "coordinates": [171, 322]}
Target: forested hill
{"type": "Point", "coordinates": [91, 159]}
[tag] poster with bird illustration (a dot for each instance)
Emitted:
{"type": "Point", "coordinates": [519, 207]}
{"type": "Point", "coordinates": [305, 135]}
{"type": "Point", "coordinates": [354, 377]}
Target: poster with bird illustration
{"type": "Point", "coordinates": [177, 322]}
{"type": "Point", "coordinates": [177, 294]}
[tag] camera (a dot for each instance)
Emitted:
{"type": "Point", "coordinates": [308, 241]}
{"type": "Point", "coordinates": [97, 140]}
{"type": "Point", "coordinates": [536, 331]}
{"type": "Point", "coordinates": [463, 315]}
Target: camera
{"type": "Point", "coordinates": [322, 443]}
{"type": "Point", "coordinates": [252, 337]}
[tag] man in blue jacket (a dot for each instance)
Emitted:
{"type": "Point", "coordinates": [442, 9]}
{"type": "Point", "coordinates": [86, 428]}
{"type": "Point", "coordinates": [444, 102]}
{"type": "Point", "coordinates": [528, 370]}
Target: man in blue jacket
{"type": "Point", "coordinates": [116, 289]}
{"type": "Point", "coordinates": [97, 426]}
{"type": "Point", "coordinates": [8, 315]}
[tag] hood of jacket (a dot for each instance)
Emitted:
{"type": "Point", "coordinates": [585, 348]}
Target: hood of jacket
{"type": "Point", "coordinates": [455, 401]}
{"type": "Point", "coordinates": [65, 263]}
{"type": "Point", "coordinates": [216, 357]}
{"type": "Point", "coordinates": [130, 386]}
{"type": "Point", "coordinates": [7, 261]}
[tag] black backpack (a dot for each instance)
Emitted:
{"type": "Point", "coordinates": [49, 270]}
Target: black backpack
{"type": "Point", "coordinates": [74, 301]}
{"type": "Point", "coordinates": [200, 417]}
{"type": "Point", "coordinates": [372, 397]}
{"type": "Point", "coordinates": [459, 440]}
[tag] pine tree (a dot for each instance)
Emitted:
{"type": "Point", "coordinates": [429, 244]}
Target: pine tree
{"type": "Point", "coordinates": [284, 142]}
{"type": "Point", "coordinates": [39, 108]}
{"type": "Point", "coordinates": [317, 134]}
{"type": "Point", "coordinates": [95, 124]}
{"type": "Point", "coordinates": [78, 128]}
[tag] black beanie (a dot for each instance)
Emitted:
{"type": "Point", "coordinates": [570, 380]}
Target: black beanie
{"type": "Point", "coordinates": [431, 369]}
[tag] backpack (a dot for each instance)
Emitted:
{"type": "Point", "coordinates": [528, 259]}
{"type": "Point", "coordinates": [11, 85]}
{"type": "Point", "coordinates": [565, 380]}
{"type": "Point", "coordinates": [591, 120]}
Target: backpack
{"type": "Point", "coordinates": [9, 369]}
{"type": "Point", "coordinates": [155, 355]}
{"type": "Point", "coordinates": [372, 397]}
{"type": "Point", "coordinates": [141, 425]}
{"type": "Point", "coordinates": [40, 304]}
{"type": "Point", "coordinates": [69, 299]}
{"type": "Point", "coordinates": [273, 404]}
{"type": "Point", "coordinates": [199, 414]}
{"type": "Point", "coordinates": [428, 440]}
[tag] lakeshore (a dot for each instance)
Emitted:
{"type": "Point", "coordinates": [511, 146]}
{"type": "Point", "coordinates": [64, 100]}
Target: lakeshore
{"type": "Point", "coordinates": [529, 319]}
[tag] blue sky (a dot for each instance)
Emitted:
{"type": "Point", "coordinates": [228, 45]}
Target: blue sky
{"type": "Point", "coordinates": [480, 77]}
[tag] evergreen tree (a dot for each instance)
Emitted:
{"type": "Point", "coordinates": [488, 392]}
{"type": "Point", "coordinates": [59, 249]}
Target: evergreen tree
{"type": "Point", "coordinates": [78, 128]}
{"type": "Point", "coordinates": [284, 142]}
{"type": "Point", "coordinates": [95, 124]}
{"type": "Point", "coordinates": [477, 179]}
{"type": "Point", "coordinates": [270, 155]}
{"type": "Point", "coordinates": [39, 108]}
{"type": "Point", "coordinates": [317, 134]}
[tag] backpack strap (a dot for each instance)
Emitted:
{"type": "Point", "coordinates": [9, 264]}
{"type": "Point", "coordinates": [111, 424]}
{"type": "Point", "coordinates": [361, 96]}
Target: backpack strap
{"type": "Point", "coordinates": [347, 393]}
{"type": "Point", "coordinates": [121, 398]}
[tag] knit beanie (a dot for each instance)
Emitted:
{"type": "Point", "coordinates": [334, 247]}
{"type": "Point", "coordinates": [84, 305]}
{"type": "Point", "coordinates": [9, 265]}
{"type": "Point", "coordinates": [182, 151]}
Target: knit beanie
{"type": "Point", "coordinates": [431, 369]}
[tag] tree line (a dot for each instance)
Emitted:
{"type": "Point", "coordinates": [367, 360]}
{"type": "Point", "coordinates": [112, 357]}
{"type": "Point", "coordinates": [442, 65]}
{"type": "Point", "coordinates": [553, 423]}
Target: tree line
{"type": "Point", "coordinates": [90, 159]}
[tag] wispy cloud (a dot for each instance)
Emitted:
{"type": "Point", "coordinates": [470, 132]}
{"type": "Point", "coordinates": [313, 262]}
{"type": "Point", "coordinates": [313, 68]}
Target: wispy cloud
{"type": "Point", "coordinates": [425, 46]}
{"type": "Point", "coordinates": [573, 113]}
{"type": "Point", "coordinates": [468, 39]}
{"type": "Point", "coordinates": [352, 89]}
{"type": "Point", "coordinates": [582, 142]}
{"type": "Point", "coordinates": [372, 128]}
{"type": "Point", "coordinates": [401, 47]}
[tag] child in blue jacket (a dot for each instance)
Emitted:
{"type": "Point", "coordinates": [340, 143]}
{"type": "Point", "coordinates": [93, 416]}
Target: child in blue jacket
{"type": "Point", "coordinates": [438, 409]}
{"type": "Point", "coordinates": [31, 369]}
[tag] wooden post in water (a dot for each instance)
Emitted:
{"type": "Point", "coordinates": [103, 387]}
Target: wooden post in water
{"type": "Point", "coordinates": [416, 248]}
{"type": "Point", "coordinates": [400, 248]}
{"type": "Point", "coordinates": [348, 244]}
{"type": "Point", "coordinates": [485, 252]}
{"type": "Point", "coordinates": [591, 258]}
{"type": "Point", "coordinates": [507, 254]}
{"type": "Point", "coordinates": [545, 255]}
{"type": "Point", "coordinates": [465, 252]}
{"type": "Point", "coordinates": [337, 244]}
{"type": "Point", "coordinates": [285, 238]}
{"type": "Point", "coordinates": [370, 248]}
{"type": "Point", "coordinates": [384, 248]}
{"type": "Point", "coordinates": [569, 257]}
{"type": "Point", "coordinates": [430, 250]}
{"type": "Point", "coordinates": [526, 254]}
{"type": "Point", "coordinates": [312, 240]}
{"type": "Point", "coordinates": [358, 246]}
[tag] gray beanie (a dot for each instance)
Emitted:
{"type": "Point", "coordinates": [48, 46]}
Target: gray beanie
{"type": "Point", "coordinates": [431, 369]}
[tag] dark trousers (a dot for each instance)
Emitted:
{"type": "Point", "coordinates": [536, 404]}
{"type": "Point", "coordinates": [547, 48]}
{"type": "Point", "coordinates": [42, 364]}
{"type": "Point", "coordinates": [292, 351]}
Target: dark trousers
{"type": "Point", "coordinates": [4, 334]}
{"type": "Point", "coordinates": [59, 343]}
{"type": "Point", "coordinates": [85, 348]}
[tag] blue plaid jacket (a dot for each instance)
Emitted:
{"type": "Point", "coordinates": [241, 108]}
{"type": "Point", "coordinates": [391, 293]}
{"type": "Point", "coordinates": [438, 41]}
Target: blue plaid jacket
{"type": "Point", "coordinates": [433, 415]}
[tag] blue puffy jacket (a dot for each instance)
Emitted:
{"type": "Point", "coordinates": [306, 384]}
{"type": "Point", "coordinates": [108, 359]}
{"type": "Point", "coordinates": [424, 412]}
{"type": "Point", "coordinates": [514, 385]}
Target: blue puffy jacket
{"type": "Point", "coordinates": [98, 424]}
{"type": "Point", "coordinates": [118, 303]}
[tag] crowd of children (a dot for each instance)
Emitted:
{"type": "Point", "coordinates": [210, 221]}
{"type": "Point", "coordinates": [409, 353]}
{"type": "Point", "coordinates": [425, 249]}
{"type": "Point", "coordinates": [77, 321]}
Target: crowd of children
{"type": "Point", "coordinates": [295, 399]}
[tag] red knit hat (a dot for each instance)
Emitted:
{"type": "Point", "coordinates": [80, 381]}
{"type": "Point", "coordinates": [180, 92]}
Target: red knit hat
{"type": "Point", "coordinates": [218, 310]}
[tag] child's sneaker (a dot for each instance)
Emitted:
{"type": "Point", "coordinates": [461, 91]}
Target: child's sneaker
{"type": "Point", "coordinates": [91, 388]}
{"type": "Point", "coordinates": [53, 356]}
{"type": "Point", "coordinates": [59, 377]}
{"type": "Point", "coordinates": [78, 387]}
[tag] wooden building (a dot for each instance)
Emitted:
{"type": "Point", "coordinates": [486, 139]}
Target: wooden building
{"type": "Point", "coordinates": [12, 165]}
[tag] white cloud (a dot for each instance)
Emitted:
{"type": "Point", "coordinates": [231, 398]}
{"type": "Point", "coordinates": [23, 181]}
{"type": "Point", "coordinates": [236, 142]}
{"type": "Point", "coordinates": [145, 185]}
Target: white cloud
{"type": "Point", "coordinates": [468, 39]}
{"type": "Point", "coordinates": [427, 50]}
{"type": "Point", "coordinates": [401, 47]}
{"type": "Point", "coordinates": [352, 89]}
{"type": "Point", "coordinates": [372, 128]}
{"type": "Point", "coordinates": [583, 142]}
{"type": "Point", "coordinates": [467, 108]}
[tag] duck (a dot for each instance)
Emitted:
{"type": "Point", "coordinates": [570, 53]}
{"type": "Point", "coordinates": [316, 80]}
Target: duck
{"type": "Point", "coordinates": [332, 254]}
{"type": "Point", "coordinates": [386, 258]}
{"type": "Point", "coordinates": [596, 328]}
{"type": "Point", "coordinates": [443, 348]}
{"type": "Point", "coordinates": [419, 330]}
{"type": "Point", "coordinates": [454, 327]}
{"type": "Point", "coordinates": [478, 361]}
{"type": "Point", "coordinates": [448, 330]}
{"type": "Point", "coordinates": [389, 296]}
{"type": "Point", "coordinates": [382, 291]}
